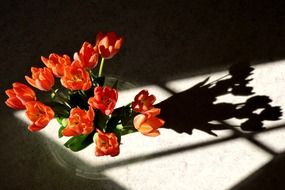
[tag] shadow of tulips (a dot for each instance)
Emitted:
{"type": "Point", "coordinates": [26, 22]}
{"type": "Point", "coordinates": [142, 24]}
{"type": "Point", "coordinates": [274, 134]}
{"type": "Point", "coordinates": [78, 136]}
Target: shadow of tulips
{"type": "Point", "coordinates": [196, 108]}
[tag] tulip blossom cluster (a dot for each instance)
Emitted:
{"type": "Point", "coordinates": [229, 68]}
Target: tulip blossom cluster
{"type": "Point", "coordinates": [146, 122]}
{"type": "Point", "coordinates": [85, 107]}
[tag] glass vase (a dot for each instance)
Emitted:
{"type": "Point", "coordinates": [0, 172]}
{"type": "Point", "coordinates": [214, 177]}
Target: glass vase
{"type": "Point", "coordinates": [84, 163]}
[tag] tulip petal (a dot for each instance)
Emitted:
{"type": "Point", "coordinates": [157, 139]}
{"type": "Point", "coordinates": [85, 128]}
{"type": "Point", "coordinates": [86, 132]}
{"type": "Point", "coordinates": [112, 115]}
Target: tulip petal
{"type": "Point", "coordinates": [153, 112]}
{"type": "Point", "coordinates": [34, 128]}
{"type": "Point", "coordinates": [99, 37]}
{"type": "Point", "coordinates": [68, 132]}
{"type": "Point", "coordinates": [104, 52]}
{"type": "Point", "coordinates": [45, 61]}
{"type": "Point", "coordinates": [43, 121]}
{"type": "Point", "coordinates": [39, 114]}
{"type": "Point", "coordinates": [154, 122]}
{"type": "Point", "coordinates": [153, 133]}
{"type": "Point", "coordinates": [41, 85]}
{"type": "Point", "coordinates": [143, 102]}
{"type": "Point", "coordinates": [30, 81]}
{"type": "Point", "coordinates": [138, 120]}
{"type": "Point", "coordinates": [15, 103]}
{"type": "Point", "coordinates": [118, 43]}
{"type": "Point", "coordinates": [106, 144]}
{"type": "Point", "coordinates": [90, 113]}
{"type": "Point", "coordinates": [111, 37]}
{"type": "Point", "coordinates": [10, 93]}
{"type": "Point", "coordinates": [145, 128]}
{"type": "Point", "coordinates": [75, 77]}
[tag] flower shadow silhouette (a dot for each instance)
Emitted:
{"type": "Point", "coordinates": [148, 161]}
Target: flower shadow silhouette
{"type": "Point", "coordinates": [196, 108]}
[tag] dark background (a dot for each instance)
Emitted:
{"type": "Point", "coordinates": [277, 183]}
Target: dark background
{"type": "Point", "coordinates": [164, 40]}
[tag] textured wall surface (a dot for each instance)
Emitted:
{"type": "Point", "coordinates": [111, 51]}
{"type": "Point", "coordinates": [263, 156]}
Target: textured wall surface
{"type": "Point", "coordinates": [165, 40]}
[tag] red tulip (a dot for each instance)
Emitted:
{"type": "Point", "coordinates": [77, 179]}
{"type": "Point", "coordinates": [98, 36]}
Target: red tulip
{"type": "Point", "coordinates": [75, 77]}
{"type": "Point", "coordinates": [143, 101]}
{"type": "Point", "coordinates": [79, 122]}
{"type": "Point", "coordinates": [42, 78]}
{"type": "Point", "coordinates": [106, 144]}
{"type": "Point", "coordinates": [108, 45]}
{"type": "Point", "coordinates": [104, 99]}
{"type": "Point", "coordinates": [39, 114]}
{"type": "Point", "coordinates": [19, 95]}
{"type": "Point", "coordinates": [56, 63]}
{"type": "Point", "coordinates": [147, 123]}
{"type": "Point", "coordinates": [87, 56]}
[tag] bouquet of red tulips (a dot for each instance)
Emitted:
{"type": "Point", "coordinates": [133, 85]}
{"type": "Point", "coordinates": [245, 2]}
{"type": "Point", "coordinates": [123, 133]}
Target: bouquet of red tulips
{"type": "Point", "coordinates": [86, 107]}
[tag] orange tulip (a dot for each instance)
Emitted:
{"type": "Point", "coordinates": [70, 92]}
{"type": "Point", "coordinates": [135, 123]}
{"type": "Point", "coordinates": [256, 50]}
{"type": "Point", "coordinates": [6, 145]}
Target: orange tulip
{"type": "Point", "coordinates": [106, 144]}
{"type": "Point", "coordinates": [42, 78]}
{"type": "Point", "coordinates": [87, 56]}
{"type": "Point", "coordinates": [19, 95]}
{"type": "Point", "coordinates": [143, 101]}
{"type": "Point", "coordinates": [105, 99]}
{"type": "Point", "coordinates": [108, 45]}
{"type": "Point", "coordinates": [39, 114]}
{"type": "Point", "coordinates": [79, 122]}
{"type": "Point", "coordinates": [56, 63]}
{"type": "Point", "coordinates": [147, 123]}
{"type": "Point", "coordinates": [75, 77]}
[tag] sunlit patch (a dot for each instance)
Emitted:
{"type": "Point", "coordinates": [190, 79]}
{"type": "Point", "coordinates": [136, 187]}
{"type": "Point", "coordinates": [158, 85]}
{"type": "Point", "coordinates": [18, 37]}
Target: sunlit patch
{"type": "Point", "coordinates": [202, 168]}
{"type": "Point", "coordinates": [183, 84]}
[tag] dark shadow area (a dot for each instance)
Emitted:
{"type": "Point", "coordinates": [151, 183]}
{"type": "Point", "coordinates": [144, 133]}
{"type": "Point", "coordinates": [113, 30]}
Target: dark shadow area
{"type": "Point", "coordinates": [28, 162]}
{"type": "Point", "coordinates": [270, 176]}
{"type": "Point", "coordinates": [173, 39]}
{"type": "Point", "coordinates": [196, 108]}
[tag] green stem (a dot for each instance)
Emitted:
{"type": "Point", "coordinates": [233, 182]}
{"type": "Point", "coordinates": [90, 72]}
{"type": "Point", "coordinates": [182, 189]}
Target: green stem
{"type": "Point", "coordinates": [91, 75]}
{"type": "Point", "coordinates": [101, 67]}
{"type": "Point", "coordinates": [125, 130]}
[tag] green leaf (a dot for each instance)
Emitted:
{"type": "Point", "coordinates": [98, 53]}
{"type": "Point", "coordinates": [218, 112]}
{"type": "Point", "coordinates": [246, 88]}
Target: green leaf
{"type": "Point", "coordinates": [118, 134]}
{"type": "Point", "coordinates": [95, 136]}
{"type": "Point", "coordinates": [58, 119]}
{"type": "Point", "coordinates": [80, 142]}
{"type": "Point", "coordinates": [126, 115]}
{"type": "Point", "coordinates": [64, 122]}
{"type": "Point", "coordinates": [112, 123]}
{"type": "Point", "coordinates": [100, 119]}
{"type": "Point", "coordinates": [76, 99]}
{"type": "Point", "coordinates": [124, 130]}
{"type": "Point", "coordinates": [59, 109]}
{"type": "Point", "coordinates": [60, 131]}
